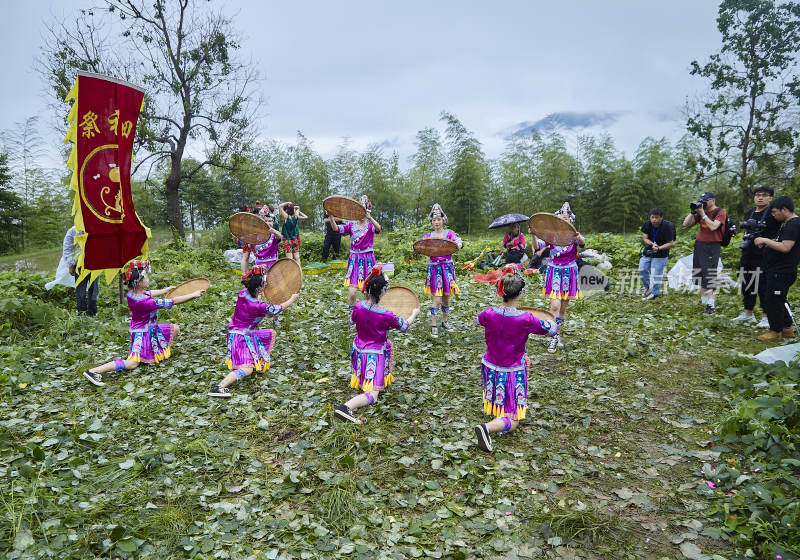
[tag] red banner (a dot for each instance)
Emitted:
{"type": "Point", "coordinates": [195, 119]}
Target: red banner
{"type": "Point", "coordinates": [102, 127]}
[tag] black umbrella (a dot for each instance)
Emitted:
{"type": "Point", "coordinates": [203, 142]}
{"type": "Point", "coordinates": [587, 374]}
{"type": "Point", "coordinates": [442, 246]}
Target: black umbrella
{"type": "Point", "coordinates": [507, 220]}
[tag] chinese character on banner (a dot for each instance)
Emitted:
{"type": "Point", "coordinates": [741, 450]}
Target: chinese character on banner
{"type": "Point", "coordinates": [102, 120]}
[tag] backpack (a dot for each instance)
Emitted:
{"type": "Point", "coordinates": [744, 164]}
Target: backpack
{"type": "Point", "coordinates": [728, 228]}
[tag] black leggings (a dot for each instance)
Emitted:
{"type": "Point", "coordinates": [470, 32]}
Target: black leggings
{"type": "Point", "coordinates": [778, 284]}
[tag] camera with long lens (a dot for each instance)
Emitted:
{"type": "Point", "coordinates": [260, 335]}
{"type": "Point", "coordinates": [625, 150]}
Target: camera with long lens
{"type": "Point", "coordinates": [754, 228]}
{"type": "Point", "coordinates": [648, 251]}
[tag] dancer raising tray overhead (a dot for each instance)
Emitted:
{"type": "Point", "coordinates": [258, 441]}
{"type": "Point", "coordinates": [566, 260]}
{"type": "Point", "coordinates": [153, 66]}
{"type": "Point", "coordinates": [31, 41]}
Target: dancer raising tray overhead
{"type": "Point", "coordinates": [371, 358]}
{"type": "Point", "coordinates": [561, 279]}
{"type": "Point", "coordinates": [441, 279]}
{"type": "Point", "coordinates": [151, 342]}
{"type": "Point", "coordinates": [266, 253]}
{"type": "Point", "coordinates": [362, 257]}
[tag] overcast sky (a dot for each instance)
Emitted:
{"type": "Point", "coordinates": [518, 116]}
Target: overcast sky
{"type": "Point", "coordinates": [379, 71]}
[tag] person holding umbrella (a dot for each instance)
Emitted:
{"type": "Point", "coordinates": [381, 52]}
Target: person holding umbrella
{"type": "Point", "coordinates": [514, 244]}
{"type": "Point", "coordinates": [514, 241]}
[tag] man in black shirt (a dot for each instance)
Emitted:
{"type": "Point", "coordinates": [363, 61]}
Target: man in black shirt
{"type": "Point", "coordinates": [781, 257]}
{"type": "Point", "coordinates": [658, 236]}
{"type": "Point", "coordinates": [758, 222]}
{"type": "Point", "coordinates": [332, 238]}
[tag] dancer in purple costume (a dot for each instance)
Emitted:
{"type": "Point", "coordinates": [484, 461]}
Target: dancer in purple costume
{"type": "Point", "coordinates": [371, 358]}
{"type": "Point", "coordinates": [248, 346]}
{"type": "Point", "coordinates": [441, 279]}
{"type": "Point", "coordinates": [362, 258]}
{"type": "Point", "coordinates": [504, 367]}
{"type": "Point", "coordinates": [266, 253]}
{"type": "Point", "coordinates": [151, 341]}
{"type": "Point", "coordinates": [561, 279]}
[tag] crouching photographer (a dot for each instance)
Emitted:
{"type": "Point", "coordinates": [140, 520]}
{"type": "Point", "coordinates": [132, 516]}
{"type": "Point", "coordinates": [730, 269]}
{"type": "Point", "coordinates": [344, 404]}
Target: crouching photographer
{"type": "Point", "coordinates": [758, 222]}
{"type": "Point", "coordinates": [781, 257]}
{"type": "Point", "coordinates": [658, 235]}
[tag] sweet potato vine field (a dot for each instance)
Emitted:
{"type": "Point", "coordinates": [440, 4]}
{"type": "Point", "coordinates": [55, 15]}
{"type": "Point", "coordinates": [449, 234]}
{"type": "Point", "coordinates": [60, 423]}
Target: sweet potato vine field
{"type": "Point", "coordinates": [651, 434]}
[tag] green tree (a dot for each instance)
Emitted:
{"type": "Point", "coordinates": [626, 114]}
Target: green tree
{"type": "Point", "coordinates": [25, 149]}
{"type": "Point", "coordinates": [469, 176]}
{"type": "Point", "coordinates": [10, 209]}
{"type": "Point", "coordinates": [426, 176]}
{"type": "Point", "coordinates": [745, 127]}
{"type": "Point", "coordinates": [198, 92]}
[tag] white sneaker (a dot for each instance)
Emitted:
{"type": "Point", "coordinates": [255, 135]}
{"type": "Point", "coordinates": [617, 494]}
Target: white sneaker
{"type": "Point", "coordinates": [552, 346]}
{"type": "Point", "coordinates": [649, 297]}
{"type": "Point", "coordinates": [763, 323]}
{"type": "Point", "coordinates": [744, 318]}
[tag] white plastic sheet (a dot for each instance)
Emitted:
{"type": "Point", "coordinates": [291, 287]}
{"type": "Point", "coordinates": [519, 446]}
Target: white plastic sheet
{"type": "Point", "coordinates": [785, 353]}
{"type": "Point", "coordinates": [679, 276]}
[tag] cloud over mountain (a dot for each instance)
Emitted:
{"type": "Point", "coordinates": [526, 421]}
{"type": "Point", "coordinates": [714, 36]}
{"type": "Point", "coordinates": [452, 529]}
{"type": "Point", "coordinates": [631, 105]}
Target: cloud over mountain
{"type": "Point", "coordinates": [567, 120]}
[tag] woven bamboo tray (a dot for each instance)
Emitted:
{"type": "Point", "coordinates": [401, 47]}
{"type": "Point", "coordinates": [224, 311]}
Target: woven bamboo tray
{"type": "Point", "coordinates": [284, 278]}
{"type": "Point", "coordinates": [400, 301]}
{"type": "Point", "coordinates": [188, 287]}
{"type": "Point", "coordinates": [248, 228]}
{"type": "Point", "coordinates": [435, 247]}
{"type": "Point", "coordinates": [539, 313]}
{"type": "Point", "coordinates": [552, 229]}
{"type": "Point", "coordinates": [344, 208]}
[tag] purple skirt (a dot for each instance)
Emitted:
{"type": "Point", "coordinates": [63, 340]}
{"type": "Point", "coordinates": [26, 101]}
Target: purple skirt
{"type": "Point", "coordinates": [505, 390]}
{"type": "Point", "coordinates": [151, 346]}
{"type": "Point", "coordinates": [251, 348]}
{"type": "Point", "coordinates": [358, 268]}
{"type": "Point", "coordinates": [372, 369]}
{"type": "Point", "coordinates": [441, 280]}
{"type": "Point", "coordinates": [562, 282]}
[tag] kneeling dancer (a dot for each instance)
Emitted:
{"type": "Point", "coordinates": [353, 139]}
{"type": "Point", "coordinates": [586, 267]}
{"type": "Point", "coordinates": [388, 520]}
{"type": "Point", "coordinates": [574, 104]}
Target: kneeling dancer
{"type": "Point", "coordinates": [371, 357]}
{"type": "Point", "coordinates": [151, 341]}
{"type": "Point", "coordinates": [504, 367]}
{"type": "Point", "coordinates": [248, 346]}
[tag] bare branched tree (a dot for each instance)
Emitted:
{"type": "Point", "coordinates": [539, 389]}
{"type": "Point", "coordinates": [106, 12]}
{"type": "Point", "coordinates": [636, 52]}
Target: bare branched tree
{"type": "Point", "coordinates": [200, 99]}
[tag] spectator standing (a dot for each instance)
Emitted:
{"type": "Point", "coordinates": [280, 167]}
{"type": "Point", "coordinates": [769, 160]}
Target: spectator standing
{"type": "Point", "coordinates": [781, 257]}
{"type": "Point", "coordinates": [758, 222]}
{"type": "Point", "coordinates": [658, 236]}
{"type": "Point", "coordinates": [85, 294]}
{"type": "Point", "coordinates": [332, 239]}
{"type": "Point", "coordinates": [707, 247]}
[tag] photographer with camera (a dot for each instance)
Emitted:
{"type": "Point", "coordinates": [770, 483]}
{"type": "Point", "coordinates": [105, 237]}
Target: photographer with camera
{"type": "Point", "coordinates": [658, 236]}
{"type": "Point", "coordinates": [707, 246]}
{"type": "Point", "coordinates": [781, 257]}
{"type": "Point", "coordinates": [758, 222]}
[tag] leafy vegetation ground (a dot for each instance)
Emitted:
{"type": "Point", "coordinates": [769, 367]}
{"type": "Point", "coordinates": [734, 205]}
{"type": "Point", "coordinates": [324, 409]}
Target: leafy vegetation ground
{"type": "Point", "coordinates": [626, 428]}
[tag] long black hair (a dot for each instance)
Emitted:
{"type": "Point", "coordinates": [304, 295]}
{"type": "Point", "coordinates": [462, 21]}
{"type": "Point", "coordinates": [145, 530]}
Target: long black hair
{"type": "Point", "coordinates": [290, 209]}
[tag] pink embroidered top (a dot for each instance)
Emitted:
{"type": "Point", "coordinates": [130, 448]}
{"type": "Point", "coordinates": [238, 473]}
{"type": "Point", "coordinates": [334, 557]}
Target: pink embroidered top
{"type": "Point", "coordinates": [249, 312]}
{"type": "Point", "coordinates": [361, 238]}
{"type": "Point", "coordinates": [373, 324]}
{"type": "Point", "coordinates": [144, 310]}
{"type": "Point", "coordinates": [563, 256]}
{"type": "Point", "coordinates": [448, 234]}
{"type": "Point", "coordinates": [506, 332]}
